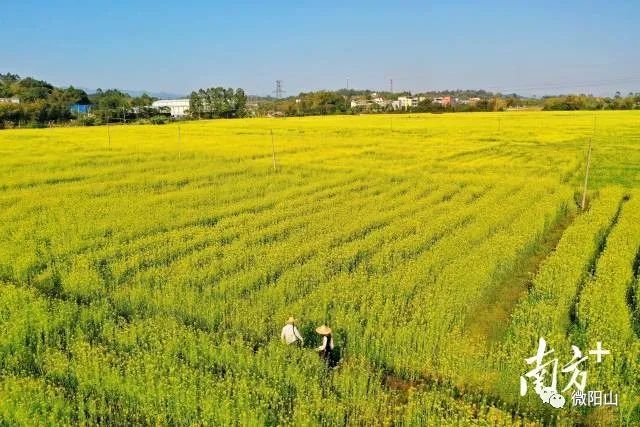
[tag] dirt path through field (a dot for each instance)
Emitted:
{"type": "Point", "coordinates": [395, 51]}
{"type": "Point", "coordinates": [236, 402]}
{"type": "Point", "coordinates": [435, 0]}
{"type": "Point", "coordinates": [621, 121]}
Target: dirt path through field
{"type": "Point", "coordinates": [489, 322]}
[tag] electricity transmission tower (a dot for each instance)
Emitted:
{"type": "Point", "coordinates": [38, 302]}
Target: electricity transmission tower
{"type": "Point", "coordinates": [279, 91]}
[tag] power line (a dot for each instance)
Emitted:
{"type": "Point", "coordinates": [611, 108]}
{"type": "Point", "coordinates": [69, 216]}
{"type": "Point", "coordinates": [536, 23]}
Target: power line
{"type": "Point", "coordinates": [279, 91]}
{"type": "Point", "coordinates": [583, 84]}
{"type": "Point", "coordinates": [541, 86]}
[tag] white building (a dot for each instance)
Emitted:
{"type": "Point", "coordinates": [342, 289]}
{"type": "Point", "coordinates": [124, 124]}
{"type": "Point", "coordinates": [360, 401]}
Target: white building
{"type": "Point", "coordinates": [360, 103]}
{"type": "Point", "coordinates": [408, 101]}
{"type": "Point", "coordinates": [381, 101]}
{"type": "Point", "coordinates": [178, 107]}
{"type": "Point", "coordinates": [13, 100]}
{"type": "Point", "coordinates": [470, 101]}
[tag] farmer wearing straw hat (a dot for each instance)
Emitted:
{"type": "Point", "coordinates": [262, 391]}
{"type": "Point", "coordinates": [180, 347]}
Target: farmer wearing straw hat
{"type": "Point", "coordinates": [327, 342]}
{"type": "Point", "coordinates": [290, 333]}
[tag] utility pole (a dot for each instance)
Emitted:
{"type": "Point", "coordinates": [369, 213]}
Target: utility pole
{"type": "Point", "coordinates": [273, 150]}
{"type": "Point", "coordinates": [391, 85]}
{"type": "Point", "coordinates": [109, 134]}
{"type": "Point", "coordinates": [347, 83]}
{"type": "Point", "coordinates": [179, 145]}
{"type": "Point", "coordinates": [586, 177]}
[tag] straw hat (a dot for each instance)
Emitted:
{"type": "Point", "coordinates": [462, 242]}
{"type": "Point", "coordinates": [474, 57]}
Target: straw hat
{"type": "Point", "coordinates": [291, 320]}
{"type": "Point", "coordinates": [323, 330]}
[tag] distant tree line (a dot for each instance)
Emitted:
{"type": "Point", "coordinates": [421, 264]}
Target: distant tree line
{"type": "Point", "coordinates": [41, 104]}
{"type": "Point", "coordinates": [589, 102]}
{"type": "Point", "coordinates": [339, 102]}
{"type": "Point", "coordinates": [311, 104]}
{"type": "Point", "coordinates": [112, 105]}
{"type": "Point", "coordinates": [217, 102]}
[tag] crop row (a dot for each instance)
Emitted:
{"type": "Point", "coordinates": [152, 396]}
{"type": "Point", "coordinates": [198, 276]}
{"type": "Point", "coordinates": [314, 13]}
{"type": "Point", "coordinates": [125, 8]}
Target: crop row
{"type": "Point", "coordinates": [547, 309]}
{"type": "Point", "coordinates": [604, 313]}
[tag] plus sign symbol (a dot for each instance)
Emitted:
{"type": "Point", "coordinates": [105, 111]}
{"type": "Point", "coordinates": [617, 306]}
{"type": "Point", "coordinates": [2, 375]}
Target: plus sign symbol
{"type": "Point", "coordinates": [599, 352]}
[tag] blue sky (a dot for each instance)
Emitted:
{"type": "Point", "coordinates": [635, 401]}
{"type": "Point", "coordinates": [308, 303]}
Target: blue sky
{"type": "Point", "coordinates": [531, 47]}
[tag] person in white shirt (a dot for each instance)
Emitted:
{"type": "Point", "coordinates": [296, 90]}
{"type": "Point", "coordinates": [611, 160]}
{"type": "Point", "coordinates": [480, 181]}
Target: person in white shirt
{"type": "Point", "coordinates": [326, 347]}
{"type": "Point", "coordinates": [290, 333]}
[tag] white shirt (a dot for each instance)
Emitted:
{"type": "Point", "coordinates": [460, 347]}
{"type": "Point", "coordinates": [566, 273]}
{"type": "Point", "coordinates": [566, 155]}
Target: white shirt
{"type": "Point", "coordinates": [324, 343]}
{"type": "Point", "coordinates": [290, 334]}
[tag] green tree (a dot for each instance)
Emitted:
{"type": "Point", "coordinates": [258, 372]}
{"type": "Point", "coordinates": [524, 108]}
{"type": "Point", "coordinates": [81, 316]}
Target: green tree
{"type": "Point", "coordinates": [217, 102]}
{"type": "Point", "coordinates": [31, 90]}
{"type": "Point", "coordinates": [111, 105]}
{"type": "Point", "coordinates": [144, 100]}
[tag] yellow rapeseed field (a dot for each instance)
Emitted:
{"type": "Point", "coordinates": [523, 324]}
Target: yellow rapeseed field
{"type": "Point", "coordinates": [146, 271]}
